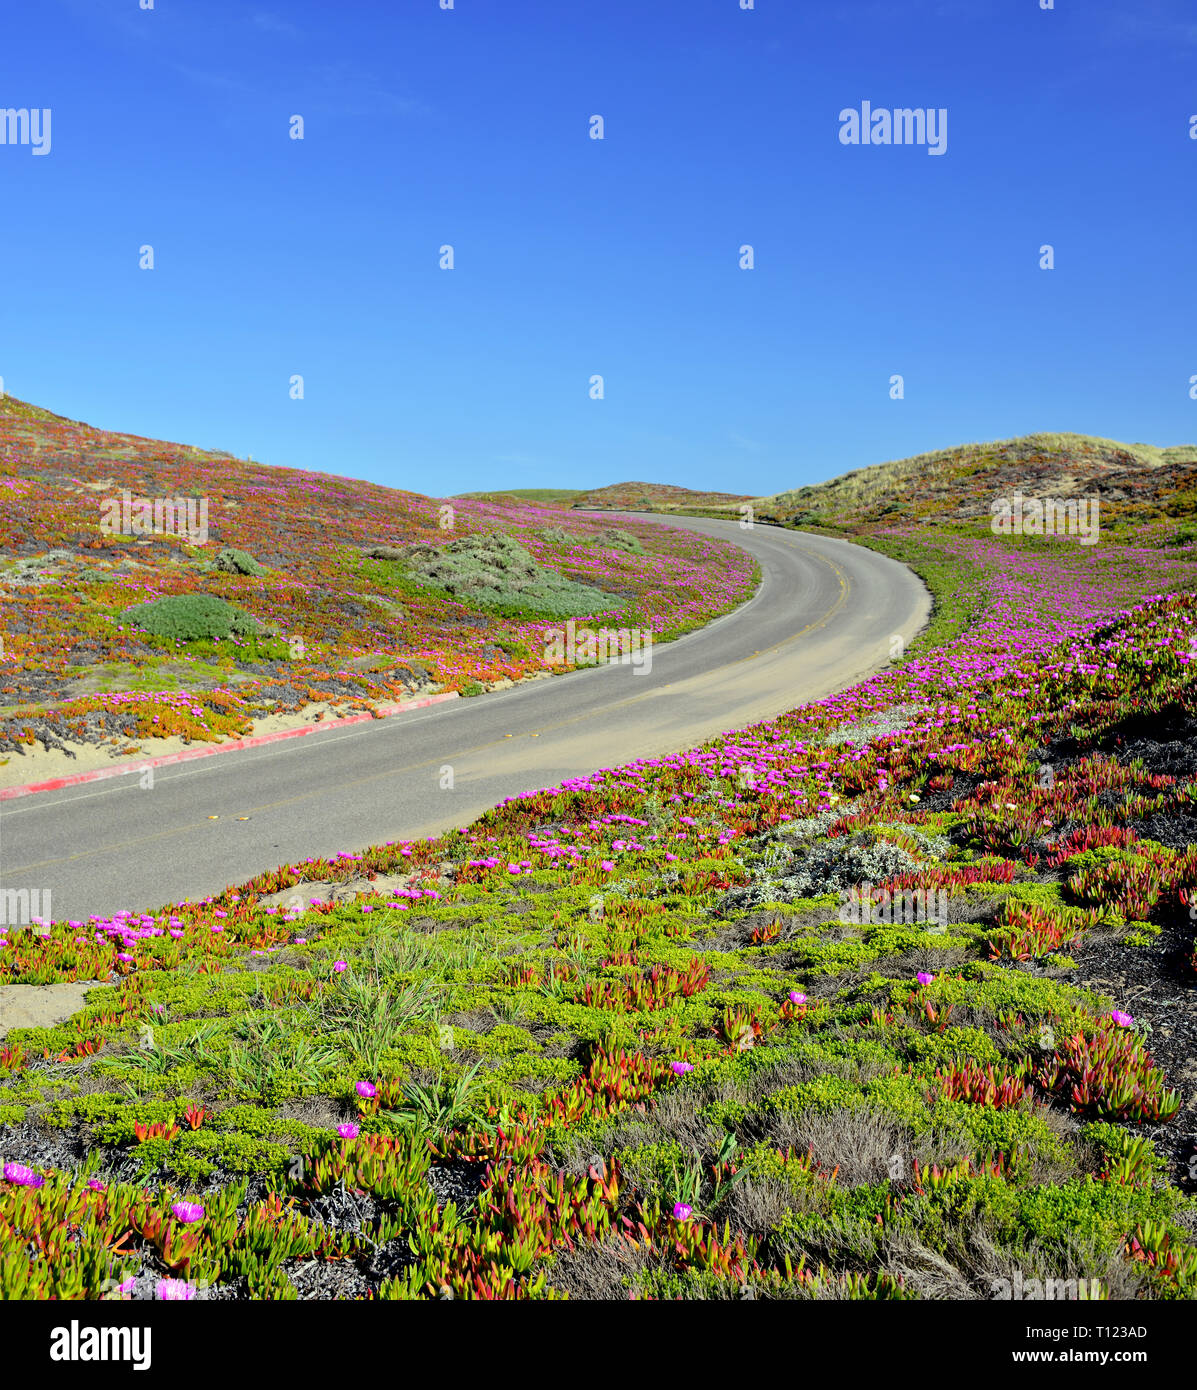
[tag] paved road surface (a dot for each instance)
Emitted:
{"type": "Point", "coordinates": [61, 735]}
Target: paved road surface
{"type": "Point", "coordinates": [822, 619]}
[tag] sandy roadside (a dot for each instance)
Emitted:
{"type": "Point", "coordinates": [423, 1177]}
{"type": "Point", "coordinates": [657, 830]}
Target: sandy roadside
{"type": "Point", "coordinates": [41, 1006]}
{"type": "Point", "coordinates": [38, 764]}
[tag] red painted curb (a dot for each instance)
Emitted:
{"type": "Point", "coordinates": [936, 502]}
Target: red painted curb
{"type": "Point", "coordinates": [121, 769]}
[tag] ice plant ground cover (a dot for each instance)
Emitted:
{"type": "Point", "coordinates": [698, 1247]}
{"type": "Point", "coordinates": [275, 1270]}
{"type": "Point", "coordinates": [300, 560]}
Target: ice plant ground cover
{"type": "Point", "coordinates": [338, 624]}
{"type": "Point", "coordinates": [594, 1044]}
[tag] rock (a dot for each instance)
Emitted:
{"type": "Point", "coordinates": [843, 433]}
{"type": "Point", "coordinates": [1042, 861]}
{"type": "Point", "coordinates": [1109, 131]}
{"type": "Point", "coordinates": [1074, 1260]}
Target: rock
{"type": "Point", "coordinates": [347, 892]}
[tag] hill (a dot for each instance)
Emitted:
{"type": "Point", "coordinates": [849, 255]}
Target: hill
{"type": "Point", "coordinates": [335, 590]}
{"type": "Point", "coordinates": [547, 496]}
{"type": "Point", "coordinates": [653, 497]}
{"type": "Point", "coordinates": [636, 497]}
{"type": "Point", "coordinates": [1133, 481]}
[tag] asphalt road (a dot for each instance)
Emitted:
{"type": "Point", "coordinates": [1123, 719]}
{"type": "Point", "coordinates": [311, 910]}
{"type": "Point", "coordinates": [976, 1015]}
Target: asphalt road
{"type": "Point", "coordinates": [823, 618]}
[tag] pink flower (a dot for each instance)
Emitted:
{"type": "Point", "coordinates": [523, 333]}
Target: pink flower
{"type": "Point", "coordinates": [606, 866]}
{"type": "Point", "coordinates": [301, 941]}
{"type": "Point", "coordinates": [681, 1068]}
{"type": "Point", "coordinates": [1121, 1019]}
{"type": "Point", "coordinates": [366, 1089]}
{"type": "Point", "coordinates": [923, 978]}
{"type": "Point", "coordinates": [22, 1175]}
{"type": "Point", "coordinates": [188, 1212]}
{"type": "Point", "coordinates": [174, 931]}
{"type": "Point", "coordinates": [174, 1289]}
{"type": "Point", "coordinates": [96, 1185]}
{"type": "Point", "coordinates": [797, 997]}
{"type": "Point", "coordinates": [348, 1131]}
{"type": "Point", "coordinates": [338, 966]}
{"type": "Point", "coordinates": [681, 1212]}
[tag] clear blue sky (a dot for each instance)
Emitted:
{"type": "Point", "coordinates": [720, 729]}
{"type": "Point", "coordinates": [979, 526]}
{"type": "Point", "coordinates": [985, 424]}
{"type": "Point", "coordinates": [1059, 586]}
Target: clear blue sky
{"type": "Point", "coordinates": [574, 256]}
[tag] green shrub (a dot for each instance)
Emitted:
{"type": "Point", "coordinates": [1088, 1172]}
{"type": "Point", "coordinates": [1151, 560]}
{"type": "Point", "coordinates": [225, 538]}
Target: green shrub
{"type": "Point", "coordinates": [233, 561]}
{"type": "Point", "coordinates": [493, 570]}
{"type": "Point", "coordinates": [620, 540]}
{"type": "Point", "coordinates": [237, 1153]}
{"type": "Point", "coordinates": [192, 618]}
{"type": "Point", "coordinates": [1183, 535]}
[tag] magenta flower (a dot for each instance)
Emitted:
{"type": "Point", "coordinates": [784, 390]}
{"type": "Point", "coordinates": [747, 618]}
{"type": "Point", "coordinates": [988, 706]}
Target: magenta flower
{"type": "Point", "coordinates": [348, 1130]}
{"type": "Point", "coordinates": [681, 1212]}
{"type": "Point", "coordinates": [96, 1185]}
{"type": "Point", "coordinates": [606, 866]}
{"type": "Point", "coordinates": [301, 941]}
{"type": "Point", "coordinates": [171, 1290]}
{"type": "Point", "coordinates": [797, 997]}
{"type": "Point", "coordinates": [338, 966]}
{"type": "Point", "coordinates": [366, 1089]}
{"type": "Point", "coordinates": [681, 1068]}
{"type": "Point", "coordinates": [188, 1212]}
{"type": "Point", "coordinates": [923, 978]}
{"type": "Point", "coordinates": [1121, 1019]}
{"type": "Point", "coordinates": [22, 1175]}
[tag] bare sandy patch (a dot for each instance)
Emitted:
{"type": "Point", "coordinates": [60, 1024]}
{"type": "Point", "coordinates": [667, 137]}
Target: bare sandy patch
{"type": "Point", "coordinates": [42, 1006]}
{"type": "Point", "coordinates": [39, 765]}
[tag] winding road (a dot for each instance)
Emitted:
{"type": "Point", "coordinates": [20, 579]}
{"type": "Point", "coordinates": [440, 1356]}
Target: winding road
{"type": "Point", "coordinates": [823, 617]}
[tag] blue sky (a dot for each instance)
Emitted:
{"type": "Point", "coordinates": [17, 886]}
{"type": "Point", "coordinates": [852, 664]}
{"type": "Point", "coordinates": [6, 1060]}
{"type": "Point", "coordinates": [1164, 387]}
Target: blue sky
{"type": "Point", "coordinates": [617, 257]}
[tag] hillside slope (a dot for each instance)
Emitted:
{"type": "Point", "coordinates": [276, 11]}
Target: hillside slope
{"type": "Point", "coordinates": [961, 483]}
{"type": "Point", "coordinates": [353, 592]}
